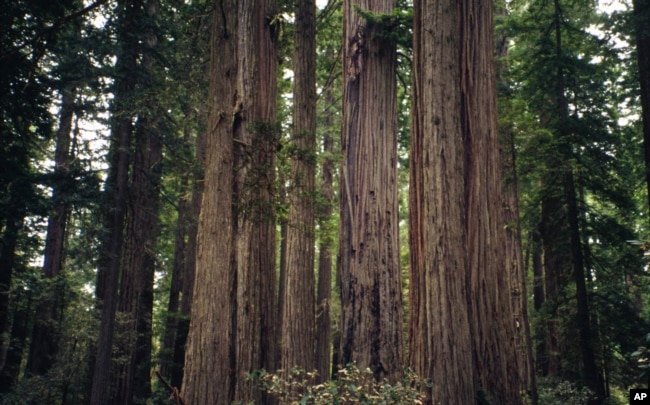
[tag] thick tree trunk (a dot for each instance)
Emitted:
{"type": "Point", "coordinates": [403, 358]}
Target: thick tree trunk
{"type": "Point", "coordinates": [371, 304]}
{"type": "Point", "coordinates": [456, 217]}
{"type": "Point", "coordinates": [232, 333]}
{"type": "Point", "coordinates": [492, 326]}
{"type": "Point", "coordinates": [116, 192]}
{"type": "Point", "coordinates": [256, 140]}
{"type": "Point", "coordinates": [298, 318]}
{"type": "Point", "coordinates": [440, 345]}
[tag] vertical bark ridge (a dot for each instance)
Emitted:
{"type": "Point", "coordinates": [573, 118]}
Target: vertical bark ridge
{"type": "Point", "coordinates": [369, 257]}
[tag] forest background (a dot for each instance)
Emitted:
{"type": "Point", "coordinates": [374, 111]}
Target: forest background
{"type": "Point", "coordinates": [194, 191]}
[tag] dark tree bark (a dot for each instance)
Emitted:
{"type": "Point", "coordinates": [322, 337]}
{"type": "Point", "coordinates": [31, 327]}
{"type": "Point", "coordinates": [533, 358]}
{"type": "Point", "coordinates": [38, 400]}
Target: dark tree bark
{"type": "Point", "coordinates": [560, 225]}
{"type": "Point", "coordinates": [641, 14]}
{"type": "Point", "coordinates": [7, 259]}
{"type": "Point", "coordinates": [116, 197]}
{"type": "Point", "coordinates": [324, 297]}
{"type": "Point", "coordinates": [44, 344]}
{"type": "Point", "coordinates": [20, 322]}
{"type": "Point", "coordinates": [189, 271]}
{"type": "Point", "coordinates": [298, 318]}
{"type": "Point", "coordinates": [136, 290]}
{"type": "Point", "coordinates": [166, 357]}
{"type": "Point", "coordinates": [233, 332]}
{"type": "Point", "coordinates": [371, 302]}
{"type": "Point", "coordinates": [515, 265]}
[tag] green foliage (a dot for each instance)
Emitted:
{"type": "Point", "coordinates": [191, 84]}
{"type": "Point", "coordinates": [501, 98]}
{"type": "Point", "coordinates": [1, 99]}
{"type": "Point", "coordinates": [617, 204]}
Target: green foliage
{"type": "Point", "coordinates": [394, 27]}
{"type": "Point", "coordinates": [557, 392]}
{"type": "Point", "coordinates": [641, 356]}
{"type": "Point", "coordinates": [352, 386]}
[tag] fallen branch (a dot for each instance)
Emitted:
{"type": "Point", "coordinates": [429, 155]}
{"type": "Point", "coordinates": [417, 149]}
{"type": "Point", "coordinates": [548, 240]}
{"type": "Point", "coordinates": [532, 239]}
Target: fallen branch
{"type": "Point", "coordinates": [176, 395]}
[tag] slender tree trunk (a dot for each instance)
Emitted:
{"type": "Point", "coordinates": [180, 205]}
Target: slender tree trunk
{"type": "Point", "coordinates": [136, 291]}
{"type": "Point", "coordinates": [166, 357]}
{"type": "Point", "coordinates": [44, 343]}
{"type": "Point", "coordinates": [592, 372]}
{"type": "Point", "coordinates": [298, 319]}
{"type": "Point", "coordinates": [232, 333]}
{"type": "Point", "coordinates": [116, 192]}
{"type": "Point", "coordinates": [190, 260]}
{"type": "Point", "coordinates": [9, 362]}
{"type": "Point", "coordinates": [21, 320]}
{"type": "Point", "coordinates": [324, 297]}
{"type": "Point", "coordinates": [371, 304]}
{"type": "Point", "coordinates": [515, 264]}
{"type": "Point", "coordinates": [642, 23]}
{"type": "Point", "coordinates": [541, 355]}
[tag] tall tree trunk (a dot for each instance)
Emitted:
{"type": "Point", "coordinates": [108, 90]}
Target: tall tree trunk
{"type": "Point", "coordinates": [189, 271]}
{"type": "Point", "coordinates": [233, 333]}
{"type": "Point", "coordinates": [642, 31]}
{"type": "Point", "coordinates": [298, 318]}
{"type": "Point", "coordinates": [541, 356]}
{"type": "Point", "coordinates": [371, 303]}
{"type": "Point", "coordinates": [492, 326]}
{"type": "Point", "coordinates": [136, 290]}
{"type": "Point", "coordinates": [44, 344]}
{"type": "Point", "coordinates": [10, 359]}
{"type": "Point", "coordinates": [116, 193]}
{"type": "Point", "coordinates": [591, 371]}
{"type": "Point", "coordinates": [440, 345]}
{"type": "Point", "coordinates": [515, 261]}
{"type": "Point", "coordinates": [166, 356]}
{"type": "Point", "coordinates": [324, 297]}
{"type": "Point", "coordinates": [21, 319]}
{"type": "Point", "coordinates": [456, 211]}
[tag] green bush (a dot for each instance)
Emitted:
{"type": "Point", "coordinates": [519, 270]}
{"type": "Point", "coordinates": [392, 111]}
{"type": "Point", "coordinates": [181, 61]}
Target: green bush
{"type": "Point", "coordinates": [553, 391]}
{"type": "Point", "coordinates": [352, 386]}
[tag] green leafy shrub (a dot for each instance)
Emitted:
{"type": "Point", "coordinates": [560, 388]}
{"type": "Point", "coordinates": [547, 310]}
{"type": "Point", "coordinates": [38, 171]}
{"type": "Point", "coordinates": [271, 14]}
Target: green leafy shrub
{"type": "Point", "coordinates": [553, 391]}
{"type": "Point", "coordinates": [352, 386]}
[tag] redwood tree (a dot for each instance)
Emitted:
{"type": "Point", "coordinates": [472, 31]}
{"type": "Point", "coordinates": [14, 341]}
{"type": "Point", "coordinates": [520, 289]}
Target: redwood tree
{"type": "Point", "coordinates": [232, 325]}
{"type": "Point", "coordinates": [136, 289]}
{"type": "Point", "coordinates": [298, 318]}
{"type": "Point", "coordinates": [371, 303]}
{"type": "Point", "coordinates": [44, 344]}
{"type": "Point", "coordinates": [461, 321]}
{"type": "Point", "coordinates": [115, 197]}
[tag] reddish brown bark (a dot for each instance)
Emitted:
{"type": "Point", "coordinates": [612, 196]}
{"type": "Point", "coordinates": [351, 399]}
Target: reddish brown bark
{"type": "Point", "coordinates": [298, 318]}
{"type": "Point", "coordinates": [232, 333]}
{"type": "Point", "coordinates": [461, 321]}
{"type": "Point", "coordinates": [371, 319]}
